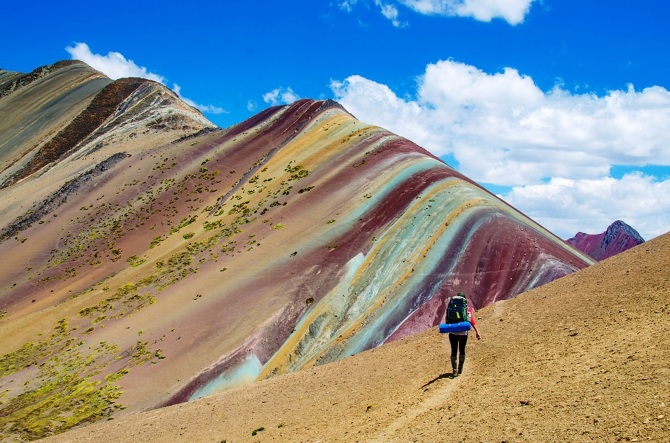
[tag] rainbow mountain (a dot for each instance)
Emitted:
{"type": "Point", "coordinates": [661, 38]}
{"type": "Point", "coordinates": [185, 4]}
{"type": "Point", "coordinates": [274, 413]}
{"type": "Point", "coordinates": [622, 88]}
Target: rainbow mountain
{"type": "Point", "coordinates": [151, 257]}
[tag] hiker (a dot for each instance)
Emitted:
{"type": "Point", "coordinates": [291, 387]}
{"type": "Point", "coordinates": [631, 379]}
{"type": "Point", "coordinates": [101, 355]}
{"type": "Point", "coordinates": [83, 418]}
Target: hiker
{"type": "Point", "coordinates": [459, 339]}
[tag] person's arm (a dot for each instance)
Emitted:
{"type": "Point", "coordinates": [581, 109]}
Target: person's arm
{"type": "Point", "coordinates": [474, 323]}
{"type": "Point", "coordinates": [474, 326]}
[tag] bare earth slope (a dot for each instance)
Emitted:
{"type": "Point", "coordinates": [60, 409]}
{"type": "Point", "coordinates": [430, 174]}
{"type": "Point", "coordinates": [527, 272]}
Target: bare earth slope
{"type": "Point", "coordinates": [581, 359]}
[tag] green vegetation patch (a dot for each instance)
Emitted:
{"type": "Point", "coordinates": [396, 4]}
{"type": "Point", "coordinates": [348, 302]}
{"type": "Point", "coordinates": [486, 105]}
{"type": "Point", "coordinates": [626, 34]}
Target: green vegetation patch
{"type": "Point", "coordinates": [57, 383]}
{"type": "Point", "coordinates": [126, 300]}
{"type": "Point", "coordinates": [135, 261]}
{"type": "Point", "coordinates": [62, 388]}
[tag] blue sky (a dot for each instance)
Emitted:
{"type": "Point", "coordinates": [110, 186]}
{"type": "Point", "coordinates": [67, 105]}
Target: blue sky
{"type": "Point", "coordinates": [561, 107]}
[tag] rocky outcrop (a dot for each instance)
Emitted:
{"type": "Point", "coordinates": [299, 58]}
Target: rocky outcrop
{"type": "Point", "coordinates": [618, 237]}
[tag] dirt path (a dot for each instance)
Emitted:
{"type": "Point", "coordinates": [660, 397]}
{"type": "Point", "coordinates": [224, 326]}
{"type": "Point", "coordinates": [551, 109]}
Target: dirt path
{"type": "Point", "coordinates": [434, 399]}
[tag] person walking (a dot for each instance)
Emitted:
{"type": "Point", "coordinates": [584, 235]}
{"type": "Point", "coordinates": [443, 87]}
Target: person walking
{"type": "Point", "coordinates": [458, 340]}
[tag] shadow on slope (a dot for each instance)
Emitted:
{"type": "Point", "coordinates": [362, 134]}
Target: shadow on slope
{"type": "Point", "coordinates": [583, 358]}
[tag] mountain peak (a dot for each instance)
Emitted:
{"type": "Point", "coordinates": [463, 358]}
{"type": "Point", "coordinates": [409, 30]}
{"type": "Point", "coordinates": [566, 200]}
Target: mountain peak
{"type": "Point", "coordinates": [617, 238]}
{"type": "Point", "coordinates": [91, 111]}
{"type": "Point", "coordinates": [621, 228]}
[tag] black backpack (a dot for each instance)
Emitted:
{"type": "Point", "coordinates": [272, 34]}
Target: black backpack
{"type": "Point", "coordinates": [457, 310]}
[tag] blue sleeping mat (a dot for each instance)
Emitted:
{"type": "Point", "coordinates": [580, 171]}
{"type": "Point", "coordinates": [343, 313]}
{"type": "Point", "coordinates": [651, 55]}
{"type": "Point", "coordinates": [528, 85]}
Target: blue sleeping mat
{"type": "Point", "coordinates": [455, 327]}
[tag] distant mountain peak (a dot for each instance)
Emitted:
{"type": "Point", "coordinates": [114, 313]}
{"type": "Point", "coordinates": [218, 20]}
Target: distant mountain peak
{"type": "Point", "coordinates": [617, 238]}
{"type": "Point", "coordinates": [620, 227]}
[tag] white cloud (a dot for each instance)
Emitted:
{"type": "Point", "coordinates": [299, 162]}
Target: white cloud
{"type": "Point", "coordinates": [376, 104]}
{"type": "Point", "coordinates": [203, 108]}
{"type": "Point", "coordinates": [512, 11]}
{"type": "Point", "coordinates": [114, 65]}
{"type": "Point", "coordinates": [640, 200]}
{"type": "Point", "coordinates": [347, 5]}
{"type": "Point", "coordinates": [502, 130]}
{"type": "Point", "coordinates": [391, 13]}
{"type": "Point", "coordinates": [280, 96]}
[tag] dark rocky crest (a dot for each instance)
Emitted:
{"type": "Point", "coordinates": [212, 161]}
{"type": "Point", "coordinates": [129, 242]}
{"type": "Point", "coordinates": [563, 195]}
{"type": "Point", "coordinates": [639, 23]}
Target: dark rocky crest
{"type": "Point", "coordinates": [618, 237]}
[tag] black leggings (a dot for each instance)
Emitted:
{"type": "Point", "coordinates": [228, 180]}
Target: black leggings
{"type": "Point", "coordinates": [458, 344]}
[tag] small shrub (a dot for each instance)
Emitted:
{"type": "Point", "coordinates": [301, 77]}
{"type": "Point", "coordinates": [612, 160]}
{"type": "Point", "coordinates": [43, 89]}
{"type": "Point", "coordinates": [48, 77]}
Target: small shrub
{"type": "Point", "coordinates": [135, 261]}
{"type": "Point", "coordinates": [256, 431]}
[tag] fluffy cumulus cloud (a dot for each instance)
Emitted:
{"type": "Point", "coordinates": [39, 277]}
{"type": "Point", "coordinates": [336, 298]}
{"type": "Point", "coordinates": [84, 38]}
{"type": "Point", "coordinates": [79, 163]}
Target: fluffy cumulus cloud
{"type": "Point", "coordinates": [280, 96]}
{"type": "Point", "coordinates": [114, 65]}
{"type": "Point", "coordinates": [638, 199]}
{"type": "Point", "coordinates": [549, 150]}
{"type": "Point", "coordinates": [512, 11]}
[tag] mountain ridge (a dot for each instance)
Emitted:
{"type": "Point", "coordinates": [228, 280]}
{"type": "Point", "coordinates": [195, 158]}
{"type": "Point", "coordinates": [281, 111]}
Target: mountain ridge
{"type": "Point", "coordinates": [158, 247]}
{"type": "Point", "coordinates": [618, 237]}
